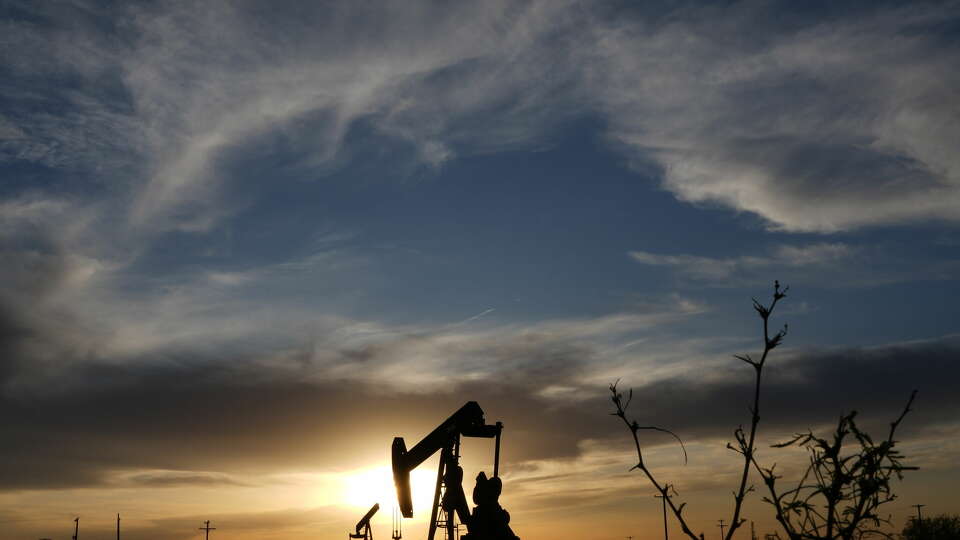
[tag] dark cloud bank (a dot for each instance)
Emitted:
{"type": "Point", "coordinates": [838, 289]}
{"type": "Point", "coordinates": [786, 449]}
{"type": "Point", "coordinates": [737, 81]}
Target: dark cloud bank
{"type": "Point", "coordinates": [227, 416]}
{"type": "Point", "coordinates": [72, 415]}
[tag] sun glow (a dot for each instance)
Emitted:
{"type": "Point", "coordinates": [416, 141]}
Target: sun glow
{"type": "Point", "coordinates": [364, 487]}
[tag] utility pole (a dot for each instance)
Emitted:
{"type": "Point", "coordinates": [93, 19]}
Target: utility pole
{"type": "Point", "coordinates": [753, 533]}
{"type": "Point", "coordinates": [76, 528]}
{"type": "Point", "coordinates": [919, 516]}
{"type": "Point", "coordinates": [664, 497]}
{"type": "Point", "coordinates": [721, 528]}
{"type": "Point", "coordinates": [628, 537]}
{"type": "Point", "coordinates": [207, 528]}
{"type": "Point", "coordinates": [118, 526]}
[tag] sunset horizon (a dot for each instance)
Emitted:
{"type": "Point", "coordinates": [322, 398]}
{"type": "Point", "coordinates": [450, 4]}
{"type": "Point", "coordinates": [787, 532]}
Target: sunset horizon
{"type": "Point", "coordinates": [266, 265]}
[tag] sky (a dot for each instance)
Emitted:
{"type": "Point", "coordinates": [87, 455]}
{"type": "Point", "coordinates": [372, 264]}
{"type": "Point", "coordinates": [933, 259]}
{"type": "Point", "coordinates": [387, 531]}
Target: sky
{"type": "Point", "coordinates": [245, 244]}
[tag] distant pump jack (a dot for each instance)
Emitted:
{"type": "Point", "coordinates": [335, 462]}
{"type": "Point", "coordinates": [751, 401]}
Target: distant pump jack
{"type": "Point", "coordinates": [363, 526]}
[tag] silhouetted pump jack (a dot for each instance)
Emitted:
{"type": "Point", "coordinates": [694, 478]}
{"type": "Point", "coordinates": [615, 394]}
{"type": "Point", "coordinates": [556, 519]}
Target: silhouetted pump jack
{"type": "Point", "coordinates": [489, 521]}
{"type": "Point", "coordinates": [363, 526]}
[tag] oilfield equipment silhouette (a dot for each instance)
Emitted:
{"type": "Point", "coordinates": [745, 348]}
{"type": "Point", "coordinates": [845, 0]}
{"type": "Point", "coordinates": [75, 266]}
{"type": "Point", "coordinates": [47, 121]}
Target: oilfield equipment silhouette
{"type": "Point", "coordinates": [450, 510]}
{"type": "Point", "coordinates": [396, 524]}
{"type": "Point", "coordinates": [363, 526]}
{"type": "Point", "coordinates": [488, 521]}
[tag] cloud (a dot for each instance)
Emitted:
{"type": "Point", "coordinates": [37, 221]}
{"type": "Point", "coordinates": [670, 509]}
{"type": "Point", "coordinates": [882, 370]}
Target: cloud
{"type": "Point", "coordinates": [287, 407]}
{"type": "Point", "coordinates": [822, 264]}
{"type": "Point", "coordinates": [181, 478]}
{"type": "Point", "coordinates": [811, 387]}
{"type": "Point", "coordinates": [816, 122]}
{"type": "Point", "coordinates": [723, 269]}
{"type": "Point", "coordinates": [258, 389]}
{"type": "Point", "coordinates": [155, 101]}
{"type": "Point", "coordinates": [184, 90]}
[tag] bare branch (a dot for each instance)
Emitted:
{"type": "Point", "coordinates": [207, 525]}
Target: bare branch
{"type": "Point", "coordinates": [839, 492]}
{"type": "Point", "coordinates": [746, 443]}
{"type": "Point", "coordinates": [635, 428]}
{"type": "Point", "coordinates": [682, 447]}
